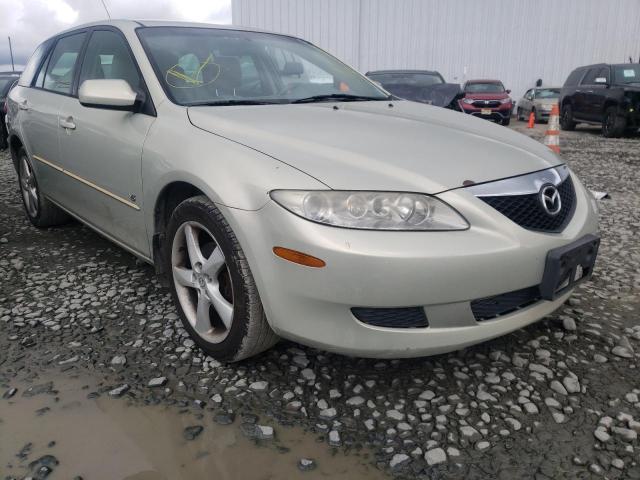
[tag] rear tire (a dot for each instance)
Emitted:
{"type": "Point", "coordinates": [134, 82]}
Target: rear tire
{"type": "Point", "coordinates": [519, 114]}
{"type": "Point", "coordinates": [566, 119]}
{"type": "Point", "coordinates": [613, 124]}
{"type": "Point", "coordinates": [41, 212]}
{"type": "Point", "coordinates": [212, 285]}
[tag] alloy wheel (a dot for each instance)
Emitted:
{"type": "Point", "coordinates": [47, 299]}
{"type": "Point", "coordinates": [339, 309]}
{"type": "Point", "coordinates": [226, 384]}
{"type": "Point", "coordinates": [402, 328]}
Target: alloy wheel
{"type": "Point", "coordinates": [202, 281]}
{"type": "Point", "coordinates": [28, 187]}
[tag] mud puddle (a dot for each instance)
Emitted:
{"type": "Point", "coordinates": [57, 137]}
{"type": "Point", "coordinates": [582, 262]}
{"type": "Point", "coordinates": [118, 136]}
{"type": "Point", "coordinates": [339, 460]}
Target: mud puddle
{"type": "Point", "coordinates": [111, 439]}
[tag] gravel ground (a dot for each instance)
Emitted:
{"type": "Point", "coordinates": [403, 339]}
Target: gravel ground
{"type": "Point", "coordinates": [559, 399]}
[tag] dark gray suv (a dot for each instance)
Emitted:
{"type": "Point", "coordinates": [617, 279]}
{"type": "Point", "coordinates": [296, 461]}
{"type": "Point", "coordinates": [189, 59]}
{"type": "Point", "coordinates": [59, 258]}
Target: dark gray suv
{"type": "Point", "coordinates": [602, 94]}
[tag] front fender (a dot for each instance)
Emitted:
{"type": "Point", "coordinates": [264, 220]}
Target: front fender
{"type": "Point", "coordinates": [230, 174]}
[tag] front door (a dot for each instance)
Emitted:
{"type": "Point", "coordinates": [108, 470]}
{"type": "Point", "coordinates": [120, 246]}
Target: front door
{"type": "Point", "coordinates": [102, 148]}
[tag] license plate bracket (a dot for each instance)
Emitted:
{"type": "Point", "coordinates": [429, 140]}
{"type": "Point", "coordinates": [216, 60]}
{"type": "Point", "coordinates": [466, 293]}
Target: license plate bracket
{"type": "Point", "coordinates": [568, 266]}
{"type": "Point", "coordinates": [485, 111]}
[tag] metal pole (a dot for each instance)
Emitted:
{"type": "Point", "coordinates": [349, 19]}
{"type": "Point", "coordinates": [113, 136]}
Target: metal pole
{"type": "Point", "coordinates": [106, 9]}
{"type": "Point", "coordinates": [13, 67]}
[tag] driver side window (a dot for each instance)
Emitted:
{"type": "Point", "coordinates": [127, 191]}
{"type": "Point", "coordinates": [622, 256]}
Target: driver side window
{"type": "Point", "coordinates": [108, 57]}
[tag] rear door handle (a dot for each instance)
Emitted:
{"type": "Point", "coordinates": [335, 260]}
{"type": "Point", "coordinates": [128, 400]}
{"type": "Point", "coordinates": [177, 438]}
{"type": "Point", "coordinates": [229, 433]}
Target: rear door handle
{"type": "Point", "coordinates": [67, 123]}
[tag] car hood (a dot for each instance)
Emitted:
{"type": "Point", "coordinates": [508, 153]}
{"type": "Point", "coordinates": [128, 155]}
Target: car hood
{"type": "Point", "coordinates": [487, 96]}
{"type": "Point", "coordinates": [372, 146]}
{"type": "Point", "coordinates": [627, 87]}
{"type": "Point", "coordinates": [545, 101]}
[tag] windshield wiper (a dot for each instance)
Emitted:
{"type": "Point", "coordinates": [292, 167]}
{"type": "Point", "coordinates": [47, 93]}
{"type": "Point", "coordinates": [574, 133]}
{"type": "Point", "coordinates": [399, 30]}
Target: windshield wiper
{"type": "Point", "coordinates": [222, 103]}
{"type": "Point", "coordinates": [343, 97]}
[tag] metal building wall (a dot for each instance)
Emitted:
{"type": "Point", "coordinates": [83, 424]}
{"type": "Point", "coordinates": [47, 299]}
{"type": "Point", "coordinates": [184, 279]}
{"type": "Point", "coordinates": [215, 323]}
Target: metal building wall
{"type": "Point", "coordinates": [517, 41]}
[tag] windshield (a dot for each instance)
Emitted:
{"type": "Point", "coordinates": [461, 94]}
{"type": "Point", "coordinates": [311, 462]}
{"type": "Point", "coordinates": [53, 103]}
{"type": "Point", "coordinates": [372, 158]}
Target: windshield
{"type": "Point", "coordinates": [484, 88]}
{"type": "Point", "coordinates": [202, 66]}
{"type": "Point", "coordinates": [627, 73]}
{"type": "Point", "coordinates": [407, 85]}
{"type": "Point", "coordinates": [417, 80]}
{"type": "Point", "coordinates": [548, 93]}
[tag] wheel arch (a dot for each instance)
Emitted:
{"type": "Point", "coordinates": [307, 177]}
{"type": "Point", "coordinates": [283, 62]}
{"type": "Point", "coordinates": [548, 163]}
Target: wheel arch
{"type": "Point", "coordinates": [610, 103]}
{"type": "Point", "coordinates": [15, 144]}
{"type": "Point", "coordinates": [167, 200]}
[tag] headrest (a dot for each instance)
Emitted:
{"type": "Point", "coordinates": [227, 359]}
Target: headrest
{"type": "Point", "coordinates": [230, 73]}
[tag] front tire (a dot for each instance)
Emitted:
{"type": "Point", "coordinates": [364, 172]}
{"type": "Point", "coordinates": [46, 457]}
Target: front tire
{"type": "Point", "coordinates": [506, 121]}
{"type": "Point", "coordinates": [212, 284]}
{"type": "Point", "coordinates": [566, 119]}
{"type": "Point", "coordinates": [41, 212]}
{"type": "Point", "coordinates": [613, 125]}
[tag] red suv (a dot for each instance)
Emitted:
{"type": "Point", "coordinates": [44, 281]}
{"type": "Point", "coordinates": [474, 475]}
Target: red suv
{"type": "Point", "coordinates": [487, 99]}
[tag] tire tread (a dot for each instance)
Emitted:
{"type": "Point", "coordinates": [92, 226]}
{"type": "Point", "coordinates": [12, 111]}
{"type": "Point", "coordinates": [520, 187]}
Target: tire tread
{"type": "Point", "coordinates": [259, 336]}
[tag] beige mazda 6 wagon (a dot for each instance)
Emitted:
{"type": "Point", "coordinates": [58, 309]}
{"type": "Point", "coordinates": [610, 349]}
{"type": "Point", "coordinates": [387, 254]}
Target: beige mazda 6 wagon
{"type": "Point", "coordinates": [283, 194]}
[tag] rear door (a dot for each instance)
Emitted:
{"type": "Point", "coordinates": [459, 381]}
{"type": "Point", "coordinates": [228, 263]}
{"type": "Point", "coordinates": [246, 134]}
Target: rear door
{"type": "Point", "coordinates": [38, 111]}
{"type": "Point", "coordinates": [102, 148]}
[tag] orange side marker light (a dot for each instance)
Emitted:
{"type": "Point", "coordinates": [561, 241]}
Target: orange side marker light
{"type": "Point", "coordinates": [298, 257]}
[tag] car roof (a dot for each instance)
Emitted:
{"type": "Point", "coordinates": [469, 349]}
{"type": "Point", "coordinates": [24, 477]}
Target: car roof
{"type": "Point", "coordinates": [129, 23]}
{"type": "Point", "coordinates": [425, 72]}
{"type": "Point", "coordinates": [595, 65]}
{"type": "Point", "coordinates": [475, 80]}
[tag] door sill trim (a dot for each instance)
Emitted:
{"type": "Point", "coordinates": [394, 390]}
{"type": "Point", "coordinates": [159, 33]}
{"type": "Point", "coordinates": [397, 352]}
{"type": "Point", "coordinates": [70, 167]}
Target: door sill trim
{"type": "Point", "coordinates": [102, 233]}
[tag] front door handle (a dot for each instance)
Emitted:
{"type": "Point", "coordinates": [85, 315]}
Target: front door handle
{"type": "Point", "coordinates": [67, 123]}
{"type": "Point", "coordinates": [24, 105]}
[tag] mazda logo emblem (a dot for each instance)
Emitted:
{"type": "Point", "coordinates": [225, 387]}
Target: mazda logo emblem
{"type": "Point", "coordinates": [550, 199]}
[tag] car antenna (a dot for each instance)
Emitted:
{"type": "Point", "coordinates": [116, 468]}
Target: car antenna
{"type": "Point", "coordinates": [106, 9]}
{"type": "Point", "coordinates": [13, 67]}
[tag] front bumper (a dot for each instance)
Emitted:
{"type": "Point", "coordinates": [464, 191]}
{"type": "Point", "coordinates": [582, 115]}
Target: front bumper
{"type": "Point", "coordinates": [441, 272]}
{"type": "Point", "coordinates": [495, 114]}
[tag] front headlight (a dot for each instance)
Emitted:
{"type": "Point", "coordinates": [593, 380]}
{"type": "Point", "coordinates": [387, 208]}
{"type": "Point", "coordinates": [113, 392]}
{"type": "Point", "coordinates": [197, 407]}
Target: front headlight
{"type": "Point", "coordinates": [371, 210]}
{"type": "Point", "coordinates": [506, 100]}
{"type": "Point", "coordinates": [468, 101]}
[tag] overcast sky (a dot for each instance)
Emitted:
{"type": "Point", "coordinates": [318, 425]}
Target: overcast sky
{"type": "Point", "coordinates": [29, 22]}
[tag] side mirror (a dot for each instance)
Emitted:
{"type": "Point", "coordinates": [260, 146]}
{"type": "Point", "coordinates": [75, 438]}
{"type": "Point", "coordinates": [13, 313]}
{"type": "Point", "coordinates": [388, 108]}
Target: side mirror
{"type": "Point", "coordinates": [601, 80]}
{"type": "Point", "coordinates": [508, 91]}
{"type": "Point", "coordinates": [109, 94]}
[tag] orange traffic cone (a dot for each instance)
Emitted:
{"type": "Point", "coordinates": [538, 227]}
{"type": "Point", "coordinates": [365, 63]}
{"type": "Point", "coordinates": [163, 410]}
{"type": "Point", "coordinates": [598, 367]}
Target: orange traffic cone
{"type": "Point", "coordinates": [552, 135]}
{"type": "Point", "coordinates": [532, 120]}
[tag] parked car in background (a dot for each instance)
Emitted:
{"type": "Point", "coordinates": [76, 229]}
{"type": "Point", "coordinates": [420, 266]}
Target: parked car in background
{"type": "Point", "coordinates": [320, 210]}
{"type": "Point", "coordinates": [487, 99]}
{"type": "Point", "coordinates": [538, 101]}
{"type": "Point", "coordinates": [422, 86]}
{"type": "Point", "coordinates": [603, 94]}
{"type": "Point", "coordinates": [7, 80]}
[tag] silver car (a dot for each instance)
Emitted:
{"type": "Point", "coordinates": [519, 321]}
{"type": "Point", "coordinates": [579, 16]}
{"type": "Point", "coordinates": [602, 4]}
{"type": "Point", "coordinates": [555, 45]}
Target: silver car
{"type": "Point", "coordinates": [538, 101]}
{"type": "Point", "coordinates": [282, 194]}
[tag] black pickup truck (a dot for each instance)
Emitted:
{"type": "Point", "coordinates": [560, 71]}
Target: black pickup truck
{"type": "Point", "coordinates": [603, 94]}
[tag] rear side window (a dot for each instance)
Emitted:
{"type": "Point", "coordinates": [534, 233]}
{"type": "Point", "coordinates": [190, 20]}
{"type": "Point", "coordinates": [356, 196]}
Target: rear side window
{"type": "Point", "coordinates": [593, 73]}
{"type": "Point", "coordinates": [62, 64]}
{"type": "Point", "coordinates": [29, 72]}
{"type": "Point", "coordinates": [574, 78]}
{"type": "Point", "coordinates": [108, 57]}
